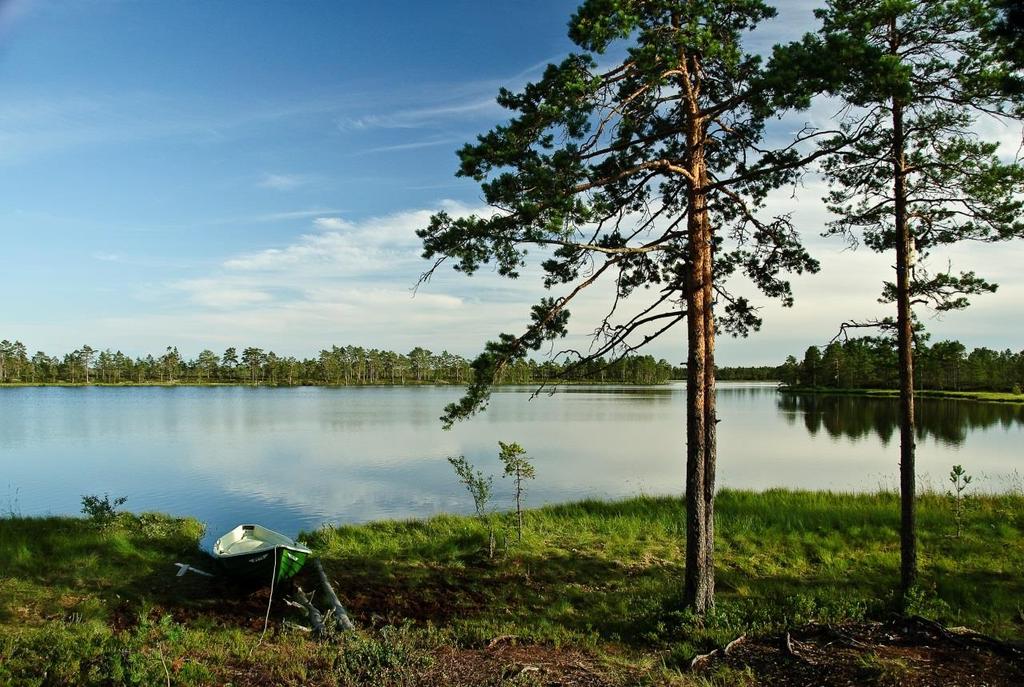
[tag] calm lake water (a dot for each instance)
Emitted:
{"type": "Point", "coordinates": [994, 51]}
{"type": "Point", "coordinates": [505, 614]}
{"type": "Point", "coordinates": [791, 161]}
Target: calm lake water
{"type": "Point", "coordinates": [295, 458]}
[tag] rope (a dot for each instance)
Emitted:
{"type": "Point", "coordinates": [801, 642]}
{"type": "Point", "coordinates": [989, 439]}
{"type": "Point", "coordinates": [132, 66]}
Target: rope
{"type": "Point", "coordinates": [270, 601]}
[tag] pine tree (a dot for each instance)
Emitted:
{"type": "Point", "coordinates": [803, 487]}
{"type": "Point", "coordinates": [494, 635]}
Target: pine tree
{"type": "Point", "coordinates": [920, 177]}
{"type": "Point", "coordinates": [650, 174]}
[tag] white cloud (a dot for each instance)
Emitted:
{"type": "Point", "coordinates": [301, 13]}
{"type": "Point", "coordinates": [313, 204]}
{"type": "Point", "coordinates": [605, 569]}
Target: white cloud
{"type": "Point", "coordinates": [347, 282]}
{"type": "Point", "coordinates": [219, 294]}
{"type": "Point", "coordinates": [351, 245]}
{"type": "Point", "coordinates": [331, 223]}
{"type": "Point", "coordinates": [343, 248]}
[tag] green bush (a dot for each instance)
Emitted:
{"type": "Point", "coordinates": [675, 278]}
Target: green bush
{"type": "Point", "coordinates": [102, 511]}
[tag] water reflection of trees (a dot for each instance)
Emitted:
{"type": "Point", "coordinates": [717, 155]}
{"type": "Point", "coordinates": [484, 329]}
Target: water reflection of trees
{"type": "Point", "coordinates": [856, 417]}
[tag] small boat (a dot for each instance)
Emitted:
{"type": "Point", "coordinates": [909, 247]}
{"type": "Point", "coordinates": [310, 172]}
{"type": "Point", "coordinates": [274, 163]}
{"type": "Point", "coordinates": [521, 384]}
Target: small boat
{"type": "Point", "coordinates": [257, 554]}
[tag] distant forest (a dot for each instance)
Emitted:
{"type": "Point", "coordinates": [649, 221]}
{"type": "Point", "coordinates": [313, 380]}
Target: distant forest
{"type": "Point", "coordinates": [871, 362]}
{"type": "Point", "coordinates": [867, 362]}
{"type": "Point", "coordinates": [348, 365]}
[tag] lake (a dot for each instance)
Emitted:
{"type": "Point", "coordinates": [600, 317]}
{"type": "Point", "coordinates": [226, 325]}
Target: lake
{"type": "Point", "coordinates": [293, 458]}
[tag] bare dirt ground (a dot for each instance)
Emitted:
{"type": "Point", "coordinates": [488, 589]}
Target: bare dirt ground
{"type": "Point", "coordinates": [905, 652]}
{"type": "Point", "coordinates": [910, 652]}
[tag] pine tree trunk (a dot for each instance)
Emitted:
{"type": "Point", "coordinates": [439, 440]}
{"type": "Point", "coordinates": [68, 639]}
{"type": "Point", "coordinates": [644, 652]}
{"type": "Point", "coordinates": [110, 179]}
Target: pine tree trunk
{"type": "Point", "coordinates": [904, 324]}
{"type": "Point", "coordinates": [699, 583]}
{"type": "Point", "coordinates": [695, 594]}
{"type": "Point", "coordinates": [519, 506]}
{"type": "Point", "coordinates": [710, 416]}
{"type": "Point", "coordinates": [698, 593]}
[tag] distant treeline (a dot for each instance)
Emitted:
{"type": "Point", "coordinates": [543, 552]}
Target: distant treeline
{"type": "Point", "coordinates": [348, 365]}
{"type": "Point", "coordinates": [753, 373]}
{"type": "Point", "coordinates": [871, 363]}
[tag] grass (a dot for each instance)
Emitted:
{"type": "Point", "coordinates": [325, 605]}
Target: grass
{"type": "Point", "coordinates": [79, 602]}
{"type": "Point", "coordinates": [596, 572]}
{"type": "Point", "coordinates": [883, 670]}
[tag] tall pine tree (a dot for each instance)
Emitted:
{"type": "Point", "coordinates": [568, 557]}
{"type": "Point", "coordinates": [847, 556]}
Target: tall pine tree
{"type": "Point", "coordinates": [650, 173]}
{"type": "Point", "coordinates": [920, 177]}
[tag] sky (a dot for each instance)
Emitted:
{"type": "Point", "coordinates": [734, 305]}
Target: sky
{"type": "Point", "coordinates": [214, 174]}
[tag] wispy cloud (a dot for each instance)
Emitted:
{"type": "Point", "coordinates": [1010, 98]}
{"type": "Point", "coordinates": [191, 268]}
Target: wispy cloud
{"type": "Point", "coordinates": [283, 182]}
{"type": "Point", "coordinates": [221, 294]}
{"type": "Point", "coordinates": [269, 217]}
{"type": "Point", "coordinates": [414, 145]}
{"type": "Point", "coordinates": [419, 117]}
{"type": "Point", "coordinates": [38, 123]}
{"type": "Point", "coordinates": [473, 100]}
{"type": "Point", "coordinates": [33, 124]}
{"type": "Point", "coordinates": [342, 248]}
{"type": "Point", "coordinates": [344, 280]}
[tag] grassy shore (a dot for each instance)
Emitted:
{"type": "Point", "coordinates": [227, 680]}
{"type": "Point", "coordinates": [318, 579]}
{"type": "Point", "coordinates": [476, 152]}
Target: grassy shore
{"type": "Point", "coordinates": [990, 396]}
{"type": "Point", "coordinates": [593, 586]}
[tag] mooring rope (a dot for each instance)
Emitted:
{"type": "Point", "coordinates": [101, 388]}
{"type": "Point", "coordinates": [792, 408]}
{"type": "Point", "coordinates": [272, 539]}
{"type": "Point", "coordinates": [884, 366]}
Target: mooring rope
{"type": "Point", "coordinates": [270, 601]}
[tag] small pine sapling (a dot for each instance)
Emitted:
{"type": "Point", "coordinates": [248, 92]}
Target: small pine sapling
{"type": "Point", "coordinates": [480, 488]}
{"type": "Point", "coordinates": [959, 478]}
{"type": "Point", "coordinates": [102, 511]}
{"type": "Point", "coordinates": [517, 465]}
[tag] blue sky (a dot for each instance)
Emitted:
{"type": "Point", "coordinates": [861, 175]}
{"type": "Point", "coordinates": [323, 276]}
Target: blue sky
{"type": "Point", "coordinates": [206, 174]}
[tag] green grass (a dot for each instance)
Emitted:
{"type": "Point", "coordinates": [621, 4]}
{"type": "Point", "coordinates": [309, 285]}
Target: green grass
{"type": "Point", "coordinates": [598, 572]}
{"type": "Point", "coordinates": [601, 577]}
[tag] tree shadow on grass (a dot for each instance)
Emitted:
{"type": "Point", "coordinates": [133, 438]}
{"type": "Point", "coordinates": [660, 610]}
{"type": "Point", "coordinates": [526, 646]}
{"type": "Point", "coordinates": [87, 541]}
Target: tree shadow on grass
{"type": "Point", "coordinates": [579, 593]}
{"type": "Point", "coordinates": [60, 568]}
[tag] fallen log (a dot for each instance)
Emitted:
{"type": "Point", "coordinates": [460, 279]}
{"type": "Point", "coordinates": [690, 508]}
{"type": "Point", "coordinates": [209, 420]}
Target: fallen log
{"type": "Point", "coordinates": [340, 614]}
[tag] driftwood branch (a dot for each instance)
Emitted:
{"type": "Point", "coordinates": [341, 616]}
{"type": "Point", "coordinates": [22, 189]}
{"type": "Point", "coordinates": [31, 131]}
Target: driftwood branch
{"type": "Point", "coordinates": [340, 614]}
{"type": "Point", "coordinates": [964, 637]}
{"type": "Point", "coordinates": [700, 660]}
{"type": "Point", "coordinates": [791, 648]}
{"type": "Point", "coordinates": [296, 626]}
{"type": "Point", "coordinates": [501, 639]}
{"type": "Point", "coordinates": [734, 643]}
{"type": "Point", "coordinates": [315, 618]}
